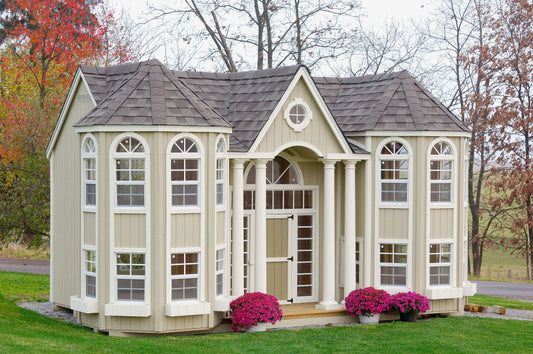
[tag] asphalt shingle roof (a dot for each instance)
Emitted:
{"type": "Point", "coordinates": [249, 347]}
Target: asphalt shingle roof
{"type": "Point", "coordinates": [150, 94]}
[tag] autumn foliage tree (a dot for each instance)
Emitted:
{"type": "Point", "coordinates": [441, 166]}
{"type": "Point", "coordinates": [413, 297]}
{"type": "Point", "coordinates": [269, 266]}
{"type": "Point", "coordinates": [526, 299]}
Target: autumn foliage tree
{"type": "Point", "coordinates": [512, 60]}
{"type": "Point", "coordinates": [42, 43]}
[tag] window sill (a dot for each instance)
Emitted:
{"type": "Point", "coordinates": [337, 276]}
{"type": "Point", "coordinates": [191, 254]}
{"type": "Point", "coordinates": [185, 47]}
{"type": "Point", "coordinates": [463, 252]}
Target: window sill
{"type": "Point", "coordinates": [89, 209]}
{"type": "Point", "coordinates": [124, 210]}
{"type": "Point", "coordinates": [185, 210]}
{"type": "Point", "coordinates": [222, 303]}
{"type": "Point", "coordinates": [446, 205]}
{"type": "Point", "coordinates": [85, 305]}
{"type": "Point", "coordinates": [394, 289]}
{"type": "Point", "coordinates": [187, 308]}
{"type": "Point", "coordinates": [128, 309]}
{"type": "Point", "coordinates": [444, 292]}
{"type": "Point", "coordinates": [392, 205]}
{"type": "Point", "coordinates": [469, 288]}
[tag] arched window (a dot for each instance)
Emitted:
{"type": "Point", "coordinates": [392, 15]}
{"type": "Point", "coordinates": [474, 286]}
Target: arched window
{"type": "Point", "coordinates": [89, 172]}
{"type": "Point", "coordinates": [278, 171]}
{"type": "Point", "coordinates": [130, 173]}
{"type": "Point", "coordinates": [441, 172]}
{"type": "Point", "coordinates": [394, 159]}
{"type": "Point", "coordinates": [220, 171]}
{"type": "Point", "coordinates": [185, 173]}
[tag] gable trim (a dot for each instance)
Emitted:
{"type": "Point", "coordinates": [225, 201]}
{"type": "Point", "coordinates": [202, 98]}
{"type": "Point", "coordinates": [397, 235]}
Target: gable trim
{"type": "Point", "coordinates": [66, 106]}
{"type": "Point", "coordinates": [152, 128]}
{"type": "Point", "coordinates": [436, 133]}
{"type": "Point", "coordinates": [304, 74]}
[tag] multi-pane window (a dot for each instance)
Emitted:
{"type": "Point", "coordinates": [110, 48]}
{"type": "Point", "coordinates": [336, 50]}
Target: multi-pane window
{"type": "Point", "coordinates": [357, 262]}
{"type": "Point", "coordinates": [90, 273]}
{"type": "Point", "coordinates": [394, 160]}
{"type": "Point", "coordinates": [185, 173]}
{"type": "Point", "coordinates": [220, 161]}
{"type": "Point", "coordinates": [305, 256]}
{"type": "Point", "coordinates": [89, 172]}
{"type": "Point", "coordinates": [441, 172]}
{"type": "Point", "coordinates": [440, 263]}
{"type": "Point", "coordinates": [130, 173]}
{"type": "Point", "coordinates": [282, 199]}
{"type": "Point", "coordinates": [278, 171]}
{"type": "Point", "coordinates": [130, 276]}
{"type": "Point", "coordinates": [297, 114]}
{"type": "Point", "coordinates": [220, 272]}
{"type": "Point", "coordinates": [184, 275]}
{"type": "Point", "coordinates": [393, 263]}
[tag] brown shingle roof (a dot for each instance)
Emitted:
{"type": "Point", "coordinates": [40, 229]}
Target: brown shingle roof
{"type": "Point", "coordinates": [148, 93]}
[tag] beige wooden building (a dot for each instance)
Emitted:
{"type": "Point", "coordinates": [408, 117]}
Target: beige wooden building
{"type": "Point", "coordinates": [172, 193]}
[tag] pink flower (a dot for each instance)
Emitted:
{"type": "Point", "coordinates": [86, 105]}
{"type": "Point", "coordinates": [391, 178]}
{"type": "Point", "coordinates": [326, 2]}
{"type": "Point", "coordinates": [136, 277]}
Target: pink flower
{"type": "Point", "coordinates": [409, 302]}
{"type": "Point", "coordinates": [252, 308]}
{"type": "Point", "coordinates": [366, 301]}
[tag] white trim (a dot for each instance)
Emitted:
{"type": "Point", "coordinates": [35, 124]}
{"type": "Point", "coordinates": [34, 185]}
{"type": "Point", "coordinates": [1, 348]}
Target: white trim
{"type": "Point", "coordinates": [297, 143]}
{"type": "Point", "coordinates": [436, 133]}
{"type": "Point", "coordinates": [187, 308]}
{"type": "Point", "coordinates": [131, 308]}
{"type": "Point", "coordinates": [303, 73]}
{"type": "Point", "coordinates": [152, 128]}
{"type": "Point", "coordinates": [448, 292]}
{"type": "Point", "coordinates": [285, 156]}
{"type": "Point", "coordinates": [85, 305]}
{"type": "Point", "coordinates": [369, 197]}
{"type": "Point", "coordinates": [298, 127]}
{"type": "Point", "coordinates": [52, 238]}
{"type": "Point", "coordinates": [128, 309]}
{"type": "Point", "coordinates": [65, 109]}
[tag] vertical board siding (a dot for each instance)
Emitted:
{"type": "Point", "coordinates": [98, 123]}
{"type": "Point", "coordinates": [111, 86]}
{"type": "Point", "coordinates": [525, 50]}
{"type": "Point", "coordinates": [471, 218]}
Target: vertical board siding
{"type": "Point", "coordinates": [317, 133]}
{"type": "Point", "coordinates": [66, 213]}
{"type": "Point", "coordinates": [130, 230]}
{"type": "Point", "coordinates": [394, 224]}
{"type": "Point", "coordinates": [185, 323]}
{"type": "Point", "coordinates": [360, 196]}
{"type": "Point", "coordinates": [444, 306]}
{"type": "Point", "coordinates": [89, 225]}
{"type": "Point", "coordinates": [184, 230]}
{"type": "Point", "coordinates": [221, 227]}
{"type": "Point", "coordinates": [441, 223]}
{"type": "Point", "coordinates": [277, 285]}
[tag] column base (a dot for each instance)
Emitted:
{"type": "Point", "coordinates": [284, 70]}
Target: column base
{"type": "Point", "coordinates": [329, 306]}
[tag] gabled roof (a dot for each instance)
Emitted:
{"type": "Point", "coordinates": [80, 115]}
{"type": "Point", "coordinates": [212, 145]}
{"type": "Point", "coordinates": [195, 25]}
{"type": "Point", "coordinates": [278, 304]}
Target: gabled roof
{"type": "Point", "coordinates": [147, 94]}
{"type": "Point", "coordinates": [386, 102]}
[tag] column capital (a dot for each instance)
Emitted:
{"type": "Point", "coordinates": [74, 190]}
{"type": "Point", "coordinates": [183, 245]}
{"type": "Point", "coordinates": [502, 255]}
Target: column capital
{"type": "Point", "coordinates": [329, 163]}
{"type": "Point", "coordinates": [350, 163]}
{"type": "Point", "coordinates": [238, 163]}
{"type": "Point", "coordinates": [261, 163]}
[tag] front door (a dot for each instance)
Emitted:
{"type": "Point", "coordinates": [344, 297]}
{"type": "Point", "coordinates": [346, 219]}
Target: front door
{"type": "Point", "coordinates": [290, 258]}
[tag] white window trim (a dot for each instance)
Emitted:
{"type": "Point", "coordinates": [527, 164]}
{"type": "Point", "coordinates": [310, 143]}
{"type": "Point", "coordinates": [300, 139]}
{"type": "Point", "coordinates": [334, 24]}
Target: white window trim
{"type": "Point", "coordinates": [380, 157]}
{"type": "Point", "coordinates": [308, 116]}
{"type": "Point", "coordinates": [296, 166]}
{"type": "Point", "coordinates": [440, 264]}
{"type": "Point", "coordinates": [115, 208]}
{"type": "Point", "coordinates": [453, 183]}
{"type": "Point", "coordinates": [176, 209]}
{"type": "Point", "coordinates": [223, 271]}
{"type": "Point", "coordinates": [187, 276]}
{"type": "Point", "coordinates": [390, 287]}
{"type": "Point", "coordinates": [89, 155]}
{"type": "Point", "coordinates": [86, 248]}
{"type": "Point", "coordinates": [132, 277]}
{"type": "Point", "coordinates": [222, 155]}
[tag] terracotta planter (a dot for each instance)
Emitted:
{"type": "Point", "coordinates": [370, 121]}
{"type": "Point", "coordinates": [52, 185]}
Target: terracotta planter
{"type": "Point", "coordinates": [261, 327]}
{"type": "Point", "coordinates": [369, 319]}
{"type": "Point", "coordinates": [408, 317]}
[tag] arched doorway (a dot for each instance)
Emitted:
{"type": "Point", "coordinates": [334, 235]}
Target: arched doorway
{"type": "Point", "coordinates": [291, 231]}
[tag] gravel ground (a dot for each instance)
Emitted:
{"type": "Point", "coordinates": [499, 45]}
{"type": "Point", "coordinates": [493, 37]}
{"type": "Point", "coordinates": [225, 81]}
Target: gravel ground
{"type": "Point", "coordinates": [47, 309]}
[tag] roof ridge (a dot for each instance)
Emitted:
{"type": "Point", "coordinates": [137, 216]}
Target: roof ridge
{"type": "Point", "coordinates": [415, 112]}
{"type": "Point", "coordinates": [383, 103]}
{"type": "Point", "coordinates": [171, 76]}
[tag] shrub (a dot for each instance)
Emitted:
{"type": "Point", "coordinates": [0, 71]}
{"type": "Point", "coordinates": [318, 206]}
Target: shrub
{"type": "Point", "coordinates": [252, 308]}
{"type": "Point", "coordinates": [409, 302]}
{"type": "Point", "coordinates": [366, 301]}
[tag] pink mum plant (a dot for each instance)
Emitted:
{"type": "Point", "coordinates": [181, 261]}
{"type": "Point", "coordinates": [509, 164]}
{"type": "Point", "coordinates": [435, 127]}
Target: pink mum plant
{"type": "Point", "coordinates": [251, 308]}
{"type": "Point", "coordinates": [409, 302]}
{"type": "Point", "coordinates": [366, 301]}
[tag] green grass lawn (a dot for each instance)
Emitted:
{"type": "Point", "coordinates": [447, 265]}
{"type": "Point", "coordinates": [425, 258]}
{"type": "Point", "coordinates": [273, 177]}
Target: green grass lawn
{"type": "Point", "coordinates": [491, 301]}
{"type": "Point", "coordinates": [25, 331]}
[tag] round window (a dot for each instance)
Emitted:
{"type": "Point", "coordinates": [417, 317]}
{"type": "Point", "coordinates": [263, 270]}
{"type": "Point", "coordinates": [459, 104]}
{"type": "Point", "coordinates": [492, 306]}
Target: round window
{"type": "Point", "coordinates": [298, 115]}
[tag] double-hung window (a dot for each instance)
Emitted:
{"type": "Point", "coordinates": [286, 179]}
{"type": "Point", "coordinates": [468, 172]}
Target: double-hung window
{"type": "Point", "coordinates": [90, 273]}
{"type": "Point", "coordinates": [441, 172]}
{"type": "Point", "coordinates": [185, 173]}
{"type": "Point", "coordinates": [219, 275]}
{"type": "Point", "coordinates": [440, 263]}
{"type": "Point", "coordinates": [220, 162]}
{"type": "Point", "coordinates": [393, 264]}
{"type": "Point", "coordinates": [89, 172]}
{"type": "Point", "coordinates": [185, 275]}
{"type": "Point", "coordinates": [130, 276]}
{"type": "Point", "coordinates": [130, 173]}
{"type": "Point", "coordinates": [394, 176]}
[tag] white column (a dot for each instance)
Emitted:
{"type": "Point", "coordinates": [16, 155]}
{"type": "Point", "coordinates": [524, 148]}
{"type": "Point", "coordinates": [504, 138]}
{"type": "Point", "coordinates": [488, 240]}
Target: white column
{"type": "Point", "coordinates": [328, 253]}
{"type": "Point", "coordinates": [349, 227]}
{"type": "Point", "coordinates": [260, 226]}
{"type": "Point", "coordinates": [237, 261]}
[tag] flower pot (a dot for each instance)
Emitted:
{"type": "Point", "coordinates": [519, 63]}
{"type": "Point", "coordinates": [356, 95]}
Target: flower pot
{"type": "Point", "coordinates": [408, 317]}
{"type": "Point", "coordinates": [369, 319]}
{"type": "Point", "coordinates": [261, 327]}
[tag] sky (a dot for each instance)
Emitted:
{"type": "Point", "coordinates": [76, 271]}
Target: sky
{"type": "Point", "coordinates": [378, 10]}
